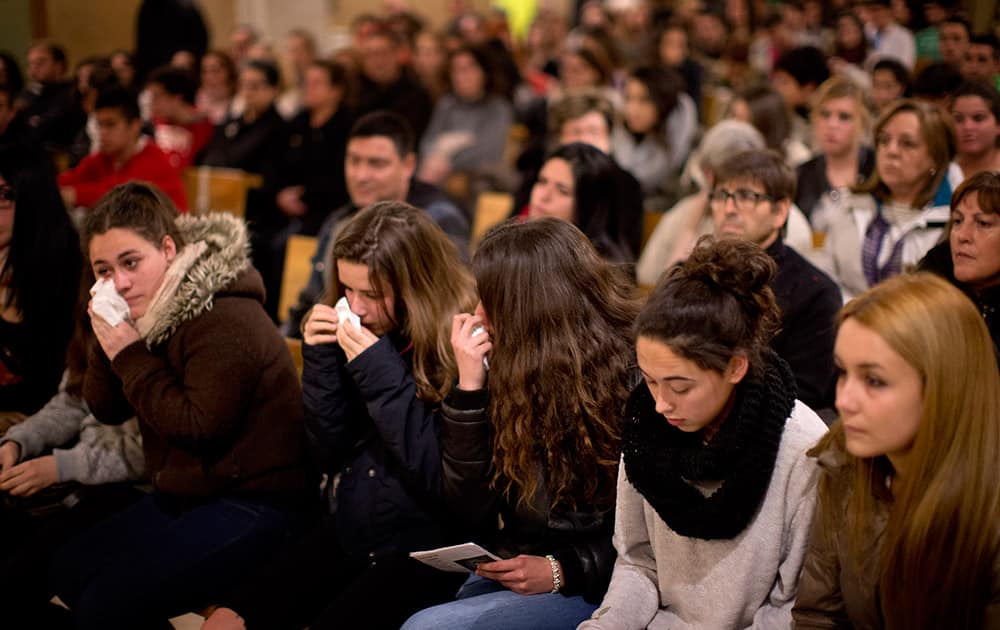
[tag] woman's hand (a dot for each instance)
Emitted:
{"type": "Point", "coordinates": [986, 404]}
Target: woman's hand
{"type": "Point", "coordinates": [525, 575]}
{"type": "Point", "coordinates": [9, 454]}
{"type": "Point", "coordinates": [321, 325]}
{"type": "Point", "coordinates": [224, 619]}
{"type": "Point", "coordinates": [469, 351]}
{"type": "Point", "coordinates": [29, 477]}
{"type": "Point", "coordinates": [354, 341]}
{"type": "Point", "coordinates": [113, 339]}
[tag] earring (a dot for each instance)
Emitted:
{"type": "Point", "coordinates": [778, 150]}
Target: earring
{"type": "Point", "coordinates": [933, 172]}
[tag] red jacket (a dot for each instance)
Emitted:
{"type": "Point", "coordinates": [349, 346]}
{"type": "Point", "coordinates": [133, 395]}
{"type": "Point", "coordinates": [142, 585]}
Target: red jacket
{"type": "Point", "coordinates": [181, 143]}
{"type": "Point", "coordinates": [96, 174]}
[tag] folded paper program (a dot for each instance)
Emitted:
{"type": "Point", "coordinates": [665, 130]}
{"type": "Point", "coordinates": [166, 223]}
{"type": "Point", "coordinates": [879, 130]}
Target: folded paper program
{"type": "Point", "coordinates": [107, 303]}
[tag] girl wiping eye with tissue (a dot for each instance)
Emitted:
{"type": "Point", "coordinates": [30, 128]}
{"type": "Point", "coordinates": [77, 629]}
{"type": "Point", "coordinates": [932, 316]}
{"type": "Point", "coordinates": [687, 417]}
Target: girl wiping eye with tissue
{"type": "Point", "coordinates": [217, 398]}
{"type": "Point", "coordinates": [372, 396]}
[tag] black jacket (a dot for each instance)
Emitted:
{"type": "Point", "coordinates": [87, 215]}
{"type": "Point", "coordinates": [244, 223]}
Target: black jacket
{"type": "Point", "coordinates": [312, 157]}
{"type": "Point", "coordinates": [809, 302]}
{"type": "Point", "coordinates": [812, 181]}
{"type": "Point", "coordinates": [938, 260]}
{"type": "Point", "coordinates": [580, 541]}
{"type": "Point", "coordinates": [251, 147]}
{"type": "Point", "coordinates": [365, 422]}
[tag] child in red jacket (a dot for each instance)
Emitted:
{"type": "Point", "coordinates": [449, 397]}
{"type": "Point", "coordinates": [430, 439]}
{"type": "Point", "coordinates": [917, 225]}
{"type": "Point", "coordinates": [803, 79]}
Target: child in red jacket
{"type": "Point", "coordinates": [125, 155]}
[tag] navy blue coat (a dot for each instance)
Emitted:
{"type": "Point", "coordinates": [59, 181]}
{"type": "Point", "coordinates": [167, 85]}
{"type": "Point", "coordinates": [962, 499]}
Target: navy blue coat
{"type": "Point", "coordinates": [365, 422]}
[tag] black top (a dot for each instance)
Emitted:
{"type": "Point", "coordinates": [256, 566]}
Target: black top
{"type": "Point", "coordinates": [250, 146]}
{"type": "Point", "coordinates": [813, 184]}
{"type": "Point", "coordinates": [809, 302]}
{"type": "Point", "coordinates": [404, 97]}
{"type": "Point", "coordinates": [366, 424]}
{"type": "Point", "coordinates": [580, 540]}
{"type": "Point", "coordinates": [938, 260]}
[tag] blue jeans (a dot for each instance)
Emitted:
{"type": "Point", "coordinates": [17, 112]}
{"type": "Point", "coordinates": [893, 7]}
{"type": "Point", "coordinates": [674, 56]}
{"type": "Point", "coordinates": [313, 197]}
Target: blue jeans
{"type": "Point", "coordinates": [484, 604]}
{"type": "Point", "coordinates": [157, 559]}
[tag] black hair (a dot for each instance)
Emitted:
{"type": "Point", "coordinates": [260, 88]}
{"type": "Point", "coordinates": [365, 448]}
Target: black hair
{"type": "Point", "coordinates": [987, 39]}
{"type": "Point", "coordinates": [898, 70]}
{"type": "Point", "coordinates": [15, 80]}
{"type": "Point", "coordinates": [57, 52]}
{"type": "Point", "coordinates": [664, 86]}
{"type": "Point", "coordinates": [595, 199]}
{"type": "Point", "coordinates": [484, 59]}
{"type": "Point", "coordinates": [936, 80]}
{"type": "Point", "coordinates": [389, 125]}
{"type": "Point", "coordinates": [984, 91]}
{"type": "Point", "coordinates": [43, 238]}
{"type": "Point", "coordinates": [805, 64]}
{"type": "Point", "coordinates": [270, 71]}
{"type": "Point", "coordinates": [117, 97]}
{"type": "Point", "coordinates": [175, 81]}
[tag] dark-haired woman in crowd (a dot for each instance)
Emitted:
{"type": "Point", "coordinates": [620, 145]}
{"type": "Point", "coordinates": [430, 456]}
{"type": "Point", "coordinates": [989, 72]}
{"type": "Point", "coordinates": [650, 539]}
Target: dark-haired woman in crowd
{"type": "Point", "coordinates": [218, 86]}
{"type": "Point", "coordinates": [306, 178]}
{"type": "Point", "coordinates": [469, 125]}
{"type": "Point", "coordinates": [535, 444]}
{"type": "Point", "coordinates": [251, 140]}
{"type": "Point", "coordinates": [641, 145]}
{"type": "Point", "coordinates": [218, 401]}
{"type": "Point", "coordinates": [890, 82]}
{"type": "Point", "coordinates": [975, 108]}
{"type": "Point", "coordinates": [906, 531]}
{"type": "Point", "coordinates": [715, 492]}
{"type": "Point", "coordinates": [894, 218]}
{"type": "Point", "coordinates": [969, 257]}
{"type": "Point", "coordinates": [763, 107]}
{"type": "Point", "coordinates": [373, 411]}
{"type": "Point", "coordinates": [578, 184]}
{"type": "Point", "coordinates": [36, 313]}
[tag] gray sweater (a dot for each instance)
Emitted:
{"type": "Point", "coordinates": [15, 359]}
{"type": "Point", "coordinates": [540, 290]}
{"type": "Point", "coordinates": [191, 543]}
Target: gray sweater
{"type": "Point", "coordinates": [488, 121]}
{"type": "Point", "coordinates": [664, 580]}
{"type": "Point", "coordinates": [86, 451]}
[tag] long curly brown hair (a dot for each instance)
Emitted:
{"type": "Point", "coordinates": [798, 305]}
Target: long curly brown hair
{"type": "Point", "coordinates": [561, 364]}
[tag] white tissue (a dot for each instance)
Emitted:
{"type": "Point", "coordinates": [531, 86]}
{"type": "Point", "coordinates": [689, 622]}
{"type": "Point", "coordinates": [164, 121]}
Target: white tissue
{"type": "Point", "coordinates": [478, 330]}
{"type": "Point", "coordinates": [345, 314]}
{"type": "Point", "coordinates": [107, 303]}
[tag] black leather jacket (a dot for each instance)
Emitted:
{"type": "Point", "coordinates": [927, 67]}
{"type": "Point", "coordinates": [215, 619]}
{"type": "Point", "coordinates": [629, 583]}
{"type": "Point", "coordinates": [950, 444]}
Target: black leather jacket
{"type": "Point", "coordinates": [580, 541]}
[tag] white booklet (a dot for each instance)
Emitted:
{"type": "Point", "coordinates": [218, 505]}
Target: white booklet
{"type": "Point", "coordinates": [462, 558]}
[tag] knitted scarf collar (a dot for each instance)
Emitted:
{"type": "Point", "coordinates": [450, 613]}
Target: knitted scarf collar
{"type": "Point", "coordinates": [661, 460]}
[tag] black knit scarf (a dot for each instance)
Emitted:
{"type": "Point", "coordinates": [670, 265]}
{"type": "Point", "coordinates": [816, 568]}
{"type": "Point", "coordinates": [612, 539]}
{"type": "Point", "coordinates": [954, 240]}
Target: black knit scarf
{"type": "Point", "coordinates": [661, 459]}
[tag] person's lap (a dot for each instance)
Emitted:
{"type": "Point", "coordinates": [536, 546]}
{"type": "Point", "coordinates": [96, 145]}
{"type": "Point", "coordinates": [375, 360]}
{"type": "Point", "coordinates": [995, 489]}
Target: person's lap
{"type": "Point", "coordinates": [154, 560]}
{"type": "Point", "coordinates": [486, 605]}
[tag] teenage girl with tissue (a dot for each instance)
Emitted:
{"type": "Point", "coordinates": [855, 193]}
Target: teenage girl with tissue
{"type": "Point", "coordinates": [201, 366]}
{"type": "Point", "coordinates": [373, 412]}
{"type": "Point", "coordinates": [533, 442]}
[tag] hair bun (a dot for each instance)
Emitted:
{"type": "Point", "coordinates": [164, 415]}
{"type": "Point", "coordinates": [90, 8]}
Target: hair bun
{"type": "Point", "coordinates": [734, 265]}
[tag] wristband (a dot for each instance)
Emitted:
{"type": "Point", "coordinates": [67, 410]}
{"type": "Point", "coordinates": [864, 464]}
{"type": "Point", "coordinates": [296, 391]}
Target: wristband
{"type": "Point", "coordinates": [556, 576]}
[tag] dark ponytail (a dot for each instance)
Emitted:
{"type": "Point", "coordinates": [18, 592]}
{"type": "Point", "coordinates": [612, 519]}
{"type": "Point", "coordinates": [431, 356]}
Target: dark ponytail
{"type": "Point", "coordinates": [715, 305]}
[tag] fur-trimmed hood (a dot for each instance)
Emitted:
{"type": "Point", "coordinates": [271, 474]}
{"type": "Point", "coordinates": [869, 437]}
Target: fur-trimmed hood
{"type": "Point", "coordinates": [215, 254]}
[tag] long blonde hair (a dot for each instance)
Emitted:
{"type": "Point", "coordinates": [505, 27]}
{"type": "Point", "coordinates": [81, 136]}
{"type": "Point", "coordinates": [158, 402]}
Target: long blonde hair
{"type": "Point", "coordinates": [404, 248]}
{"type": "Point", "coordinates": [941, 539]}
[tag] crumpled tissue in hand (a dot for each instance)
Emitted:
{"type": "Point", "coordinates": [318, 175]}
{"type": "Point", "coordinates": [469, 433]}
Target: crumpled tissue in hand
{"type": "Point", "coordinates": [108, 303]}
{"type": "Point", "coordinates": [345, 314]}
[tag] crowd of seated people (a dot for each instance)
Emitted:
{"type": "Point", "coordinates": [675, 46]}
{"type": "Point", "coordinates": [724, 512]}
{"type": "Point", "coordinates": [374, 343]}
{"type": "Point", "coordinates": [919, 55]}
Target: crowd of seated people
{"type": "Point", "coordinates": [750, 260]}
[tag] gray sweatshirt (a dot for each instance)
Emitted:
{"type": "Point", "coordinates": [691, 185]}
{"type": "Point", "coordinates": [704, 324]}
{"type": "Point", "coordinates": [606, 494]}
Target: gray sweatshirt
{"type": "Point", "coordinates": [664, 580]}
{"type": "Point", "coordinates": [86, 451]}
